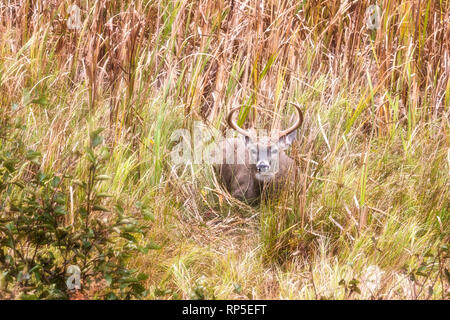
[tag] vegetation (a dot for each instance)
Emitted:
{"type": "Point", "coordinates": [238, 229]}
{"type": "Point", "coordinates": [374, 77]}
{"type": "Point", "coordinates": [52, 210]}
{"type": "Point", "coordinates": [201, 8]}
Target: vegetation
{"type": "Point", "coordinates": [368, 217]}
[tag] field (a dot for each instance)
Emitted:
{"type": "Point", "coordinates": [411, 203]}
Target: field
{"type": "Point", "coordinates": [92, 91]}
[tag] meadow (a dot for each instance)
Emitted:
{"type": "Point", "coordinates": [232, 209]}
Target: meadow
{"type": "Point", "coordinates": [92, 91]}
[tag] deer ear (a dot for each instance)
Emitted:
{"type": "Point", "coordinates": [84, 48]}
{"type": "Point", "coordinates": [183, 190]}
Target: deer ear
{"type": "Point", "coordinates": [287, 140]}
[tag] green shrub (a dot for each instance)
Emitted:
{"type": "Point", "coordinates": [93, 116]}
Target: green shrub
{"type": "Point", "coordinates": [41, 250]}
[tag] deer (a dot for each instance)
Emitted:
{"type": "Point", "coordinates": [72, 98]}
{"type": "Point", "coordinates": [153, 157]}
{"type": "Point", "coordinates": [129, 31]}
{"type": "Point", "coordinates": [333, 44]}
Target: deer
{"type": "Point", "coordinates": [257, 163]}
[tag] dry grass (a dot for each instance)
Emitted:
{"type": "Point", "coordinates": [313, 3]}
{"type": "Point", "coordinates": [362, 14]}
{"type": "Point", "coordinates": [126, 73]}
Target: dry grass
{"type": "Point", "coordinates": [373, 150]}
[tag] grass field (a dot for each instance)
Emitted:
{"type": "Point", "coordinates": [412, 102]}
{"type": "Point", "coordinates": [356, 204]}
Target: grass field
{"type": "Point", "coordinates": [368, 217]}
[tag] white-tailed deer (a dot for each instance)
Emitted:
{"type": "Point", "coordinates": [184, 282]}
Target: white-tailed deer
{"type": "Point", "coordinates": [251, 163]}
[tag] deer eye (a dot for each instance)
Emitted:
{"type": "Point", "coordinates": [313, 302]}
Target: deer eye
{"type": "Point", "coordinates": [274, 150]}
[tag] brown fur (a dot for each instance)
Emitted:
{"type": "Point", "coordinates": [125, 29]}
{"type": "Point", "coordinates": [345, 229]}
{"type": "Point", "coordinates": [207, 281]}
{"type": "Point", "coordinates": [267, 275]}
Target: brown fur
{"type": "Point", "coordinates": [239, 177]}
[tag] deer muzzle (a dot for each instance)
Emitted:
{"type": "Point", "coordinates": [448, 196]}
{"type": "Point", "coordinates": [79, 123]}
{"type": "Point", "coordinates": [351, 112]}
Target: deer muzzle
{"type": "Point", "coordinates": [262, 167]}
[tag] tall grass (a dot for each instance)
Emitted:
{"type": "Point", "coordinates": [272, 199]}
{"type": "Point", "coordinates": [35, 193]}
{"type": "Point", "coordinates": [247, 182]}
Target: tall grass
{"type": "Point", "coordinates": [372, 152]}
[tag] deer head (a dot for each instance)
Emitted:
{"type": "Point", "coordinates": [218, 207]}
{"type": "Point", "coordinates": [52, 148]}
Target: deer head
{"type": "Point", "coordinates": [267, 153]}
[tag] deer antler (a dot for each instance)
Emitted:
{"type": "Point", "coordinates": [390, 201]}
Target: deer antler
{"type": "Point", "coordinates": [297, 123]}
{"type": "Point", "coordinates": [283, 133]}
{"type": "Point", "coordinates": [234, 125]}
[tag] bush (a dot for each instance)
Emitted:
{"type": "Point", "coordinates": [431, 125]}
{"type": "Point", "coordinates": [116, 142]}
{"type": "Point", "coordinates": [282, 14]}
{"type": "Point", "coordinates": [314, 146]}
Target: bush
{"type": "Point", "coordinates": [42, 252]}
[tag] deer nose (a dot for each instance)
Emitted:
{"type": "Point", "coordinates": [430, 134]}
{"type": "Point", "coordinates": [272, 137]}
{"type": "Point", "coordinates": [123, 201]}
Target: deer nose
{"type": "Point", "coordinates": [262, 166]}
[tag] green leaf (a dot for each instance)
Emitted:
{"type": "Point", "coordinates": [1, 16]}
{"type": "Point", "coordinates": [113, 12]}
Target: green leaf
{"type": "Point", "coordinates": [153, 246]}
{"type": "Point", "coordinates": [96, 132]}
{"type": "Point", "coordinates": [356, 289]}
{"type": "Point", "coordinates": [60, 199]}
{"type": "Point", "coordinates": [128, 236]}
{"type": "Point", "coordinates": [104, 195]}
{"type": "Point", "coordinates": [42, 100]}
{"type": "Point", "coordinates": [55, 181]}
{"type": "Point", "coordinates": [90, 155]}
{"type": "Point", "coordinates": [421, 269]}
{"type": "Point", "coordinates": [142, 277]}
{"type": "Point", "coordinates": [96, 139]}
{"type": "Point", "coordinates": [9, 165]}
{"type": "Point", "coordinates": [148, 215]}
{"type": "Point", "coordinates": [108, 279]}
{"type": "Point", "coordinates": [111, 296]}
{"type": "Point", "coordinates": [41, 176]}
{"type": "Point", "coordinates": [83, 212]}
{"type": "Point", "coordinates": [33, 155]}
{"type": "Point", "coordinates": [60, 210]}
{"type": "Point", "coordinates": [100, 208]}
